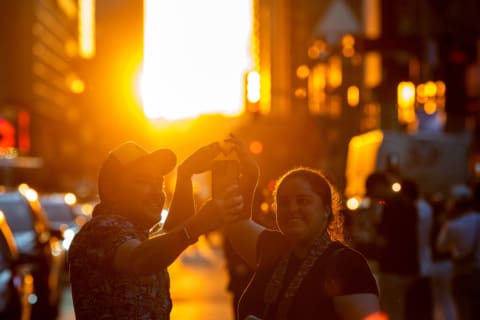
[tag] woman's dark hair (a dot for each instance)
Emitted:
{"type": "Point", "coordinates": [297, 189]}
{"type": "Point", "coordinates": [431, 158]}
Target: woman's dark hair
{"type": "Point", "coordinates": [322, 186]}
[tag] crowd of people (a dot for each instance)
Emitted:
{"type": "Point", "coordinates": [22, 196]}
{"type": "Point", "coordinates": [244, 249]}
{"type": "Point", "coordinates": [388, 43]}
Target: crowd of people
{"type": "Point", "coordinates": [422, 248]}
{"type": "Point", "coordinates": [319, 260]}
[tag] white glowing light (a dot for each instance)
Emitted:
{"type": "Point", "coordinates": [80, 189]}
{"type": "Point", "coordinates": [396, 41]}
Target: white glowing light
{"type": "Point", "coordinates": [196, 53]}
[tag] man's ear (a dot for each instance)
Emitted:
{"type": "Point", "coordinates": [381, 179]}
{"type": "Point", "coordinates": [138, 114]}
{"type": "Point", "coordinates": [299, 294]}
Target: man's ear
{"type": "Point", "coordinates": [114, 190]}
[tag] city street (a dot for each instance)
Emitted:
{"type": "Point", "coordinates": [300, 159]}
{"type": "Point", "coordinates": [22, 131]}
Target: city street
{"type": "Point", "coordinates": [198, 282]}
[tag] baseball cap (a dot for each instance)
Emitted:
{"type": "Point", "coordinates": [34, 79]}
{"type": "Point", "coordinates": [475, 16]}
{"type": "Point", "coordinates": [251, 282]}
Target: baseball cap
{"type": "Point", "coordinates": [131, 156]}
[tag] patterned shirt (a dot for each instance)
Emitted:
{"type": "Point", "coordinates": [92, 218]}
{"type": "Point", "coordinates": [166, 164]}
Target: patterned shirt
{"type": "Point", "coordinates": [98, 291]}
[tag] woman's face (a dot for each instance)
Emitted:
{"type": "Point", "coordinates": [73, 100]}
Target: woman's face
{"type": "Point", "coordinates": [301, 213]}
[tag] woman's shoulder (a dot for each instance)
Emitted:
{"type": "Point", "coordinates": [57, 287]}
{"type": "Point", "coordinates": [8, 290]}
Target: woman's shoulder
{"type": "Point", "coordinates": [339, 247]}
{"type": "Point", "coordinates": [349, 269]}
{"type": "Point", "coordinates": [342, 256]}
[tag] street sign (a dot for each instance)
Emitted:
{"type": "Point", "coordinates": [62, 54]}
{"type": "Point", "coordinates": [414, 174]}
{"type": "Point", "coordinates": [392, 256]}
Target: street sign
{"type": "Point", "coordinates": [338, 20]}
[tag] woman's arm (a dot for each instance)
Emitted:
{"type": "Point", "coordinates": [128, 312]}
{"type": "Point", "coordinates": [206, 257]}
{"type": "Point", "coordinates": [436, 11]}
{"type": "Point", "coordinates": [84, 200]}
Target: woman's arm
{"type": "Point", "coordinates": [359, 306]}
{"type": "Point", "coordinates": [243, 235]}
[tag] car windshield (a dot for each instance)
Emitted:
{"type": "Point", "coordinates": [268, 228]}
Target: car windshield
{"type": "Point", "coordinates": [58, 212]}
{"type": "Point", "coordinates": [18, 215]}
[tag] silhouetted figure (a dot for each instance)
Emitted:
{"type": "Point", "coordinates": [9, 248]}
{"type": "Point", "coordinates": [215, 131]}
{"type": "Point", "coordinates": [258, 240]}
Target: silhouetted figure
{"type": "Point", "coordinates": [363, 223]}
{"type": "Point", "coordinates": [398, 260]}
{"type": "Point", "coordinates": [460, 235]}
{"type": "Point", "coordinates": [419, 301]}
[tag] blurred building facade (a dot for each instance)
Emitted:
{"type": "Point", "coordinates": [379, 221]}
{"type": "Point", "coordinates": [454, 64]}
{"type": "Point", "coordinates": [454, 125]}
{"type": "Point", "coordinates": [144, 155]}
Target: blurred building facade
{"type": "Point", "coordinates": [57, 104]}
{"type": "Point", "coordinates": [417, 41]}
{"type": "Point", "coordinates": [40, 86]}
{"type": "Point", "coordinates": [342, 63]}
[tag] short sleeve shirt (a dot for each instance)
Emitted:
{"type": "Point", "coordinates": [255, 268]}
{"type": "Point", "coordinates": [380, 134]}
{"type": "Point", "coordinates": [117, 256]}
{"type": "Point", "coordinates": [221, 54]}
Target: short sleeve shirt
{"type": "Point", "coordinates": [98, 291]}
{"type": "Point", "coordinates": [339, 271]}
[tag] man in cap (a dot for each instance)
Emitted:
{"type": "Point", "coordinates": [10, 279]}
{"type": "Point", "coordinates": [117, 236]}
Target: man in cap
{"type": "Point", "coordinates": [117, 269]}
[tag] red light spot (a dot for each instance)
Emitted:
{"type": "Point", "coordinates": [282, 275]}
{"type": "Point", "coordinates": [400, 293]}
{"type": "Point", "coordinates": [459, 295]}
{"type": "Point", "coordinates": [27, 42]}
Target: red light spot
{"type": "Point", "coordinates": [24, 131]}
{"type": "Point", "coordinates": [271, 185]}
{"type": "Point", "coordinates": [377, 316]}
{"type": "Point", "coordinates": [7, 134]}
{"type": "Point", "coordinates": [458, 57]}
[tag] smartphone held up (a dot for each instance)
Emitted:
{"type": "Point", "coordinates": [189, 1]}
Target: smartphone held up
{"type": "Point", "coordinates": [225, 173]}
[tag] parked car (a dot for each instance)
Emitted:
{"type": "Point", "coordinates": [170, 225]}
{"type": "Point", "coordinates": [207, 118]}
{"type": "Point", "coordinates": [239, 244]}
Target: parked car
{"type": "Point", "coordinates": [61, 213]}
{"type": "Point", "coordinates": [38, 243]}
{"type": "Point", "coordinates": [16, 279]}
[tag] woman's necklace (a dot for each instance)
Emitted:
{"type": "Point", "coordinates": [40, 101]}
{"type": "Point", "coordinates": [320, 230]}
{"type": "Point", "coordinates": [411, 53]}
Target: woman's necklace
{"type": "Point", "coordinates": [274, 285]}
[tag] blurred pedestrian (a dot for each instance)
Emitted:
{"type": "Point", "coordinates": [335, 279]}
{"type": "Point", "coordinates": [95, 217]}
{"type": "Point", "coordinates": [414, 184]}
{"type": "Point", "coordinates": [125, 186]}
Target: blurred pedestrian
{"type": "Point", "coordinates": [398, 262]}
{"type": "Point", "coordinates": [363, 223]}
{"type": "Point", "coordinates": [419, 304]}
{"type": "Point", "coordinates": [460, 235]}
{"type": "Point", "coordinates": [118, 270]}
{"type": "Point", "coordinates": [302, 271]}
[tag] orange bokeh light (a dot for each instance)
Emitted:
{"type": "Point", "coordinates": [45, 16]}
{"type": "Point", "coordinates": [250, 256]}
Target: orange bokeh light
{"type": "Point", "coordinates": [256, 147]}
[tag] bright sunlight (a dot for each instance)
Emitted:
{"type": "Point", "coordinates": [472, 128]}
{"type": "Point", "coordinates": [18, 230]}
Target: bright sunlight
{"type": "Point", "coordinates": [196, 53]}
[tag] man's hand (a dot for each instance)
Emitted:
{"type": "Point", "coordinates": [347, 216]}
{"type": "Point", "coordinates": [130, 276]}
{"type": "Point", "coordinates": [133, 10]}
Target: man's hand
{"type": "Point", "coordinates": [249, 166]}
{"type": "Point", "coordinates": [228, 207]}
{"type": "Point", "coordinates": [250, 173]}
{"type": "Point", "coordinates": [199, 161]}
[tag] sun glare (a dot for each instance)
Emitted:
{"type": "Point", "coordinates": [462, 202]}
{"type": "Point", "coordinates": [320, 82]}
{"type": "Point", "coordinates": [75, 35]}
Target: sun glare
{"type": "Point", "coordinates": [196, 53]}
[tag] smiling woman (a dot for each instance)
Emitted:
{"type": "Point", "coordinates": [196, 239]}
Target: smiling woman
{"type": "Point", "coordinates": [196, 53]}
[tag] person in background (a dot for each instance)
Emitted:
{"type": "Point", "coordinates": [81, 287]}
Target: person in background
{"type": "Point", "coordinates": [118, 270]}
{"type": "Point", "coordinates": [460, 235]}
{"type": "Point", "coordinates": [302, 271]}
{"type": "Point", "coordinates": [420, 294]}
{"type": "Point", "coordinates": [363, 223]}
{"type": "Point", "coordinates": [398, 265]}
{"type": "Point", "coordinates": [431, 294]}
